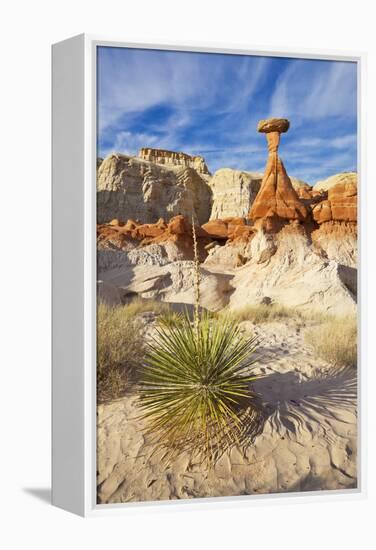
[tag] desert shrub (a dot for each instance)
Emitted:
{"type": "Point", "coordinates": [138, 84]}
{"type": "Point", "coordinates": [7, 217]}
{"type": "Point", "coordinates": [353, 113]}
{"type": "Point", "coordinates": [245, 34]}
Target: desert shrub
{"type": "Point", "coordinates": [195, 377]}
{"type": "Point", "coordinates": [335, 340]}
{"type": "Point", "coordinates": [120, 345]}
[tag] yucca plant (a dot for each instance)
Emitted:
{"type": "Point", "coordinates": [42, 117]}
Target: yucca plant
{"type": "Point", "coordinates": [195, 385]}
{"type": "Point", "coordinates": [194, 393]}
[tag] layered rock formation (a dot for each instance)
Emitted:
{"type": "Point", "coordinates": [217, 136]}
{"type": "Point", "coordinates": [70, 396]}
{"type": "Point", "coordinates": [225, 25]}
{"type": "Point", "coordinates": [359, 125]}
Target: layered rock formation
{"type": "Point", "coordinates": [288, 268]}
{"type": "Point", "coordinates": [233, 192]}
{"type": "Point", "coordinates": [285, 269]}
{"type": "Point", "coordinates": [131, 188]}
{"type": "Point", "coordinates": [336, 216]}
{"type": "Point", "coordinates": [125, 236]}
{"type": "Point", "coordinates": [343, 177]}
{"type": "Point", "coordinates": [341, 204]}
{"type": "Point", "coordinates": [178, 226]}
{"type": "Point", "coordinates": [301, 250]}
{"type": "Point", "coordinates": [162, 156]}
{"type": "Point", "coordinates": [156, 261]}
{"type": "Point", "coordinates": [297, 246]}
{"type": "Point", "coordinates": [277, 201]}
{"type": "Point", "coordinates": [172, 240]}
{"type": "Point", "coordinates": [141, 188]}
{"type": "Point", "coordinates": [337, 241]}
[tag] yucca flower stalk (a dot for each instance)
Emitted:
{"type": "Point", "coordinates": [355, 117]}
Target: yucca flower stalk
{"type": "Point", "coordinates": [195, 394]}
{"type": "Point", "coordinates": [197, 278]}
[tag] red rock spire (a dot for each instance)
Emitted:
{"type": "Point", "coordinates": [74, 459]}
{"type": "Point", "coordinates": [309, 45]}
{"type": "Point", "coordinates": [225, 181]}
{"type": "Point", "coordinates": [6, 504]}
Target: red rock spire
{"type": "Point", "coordinates": [277, 200]}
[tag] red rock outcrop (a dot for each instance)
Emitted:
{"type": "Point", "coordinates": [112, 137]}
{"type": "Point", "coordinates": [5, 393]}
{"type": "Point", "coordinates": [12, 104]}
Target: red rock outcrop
{"type": "Point", "coordinates": [341, 205]}
{"type": "Point", "coordinates": [177, 233]}
{"type": "Point", "coordinates": [277, 202]}
{"type": "Point", "coordinates": [110, 236]}
{"type": "Point", "coordinates": [343, 198]}
{"type": "Point", "coordinates": [336, 216]}
{"type": "Point", "coordinates": [240, 233]}
{"type": "Point", "coordinates": [146, 233]}
{"type": "Point", "coordinates": [178, 230]}
{"type": "Point", "coordinates": [149, 230]}
{"type": "Point", "coordinates": [217, 229]}
{"type": "Point", "coordinates": [228, 228]}
{"type": "Point", "coordinates": [178, 226]}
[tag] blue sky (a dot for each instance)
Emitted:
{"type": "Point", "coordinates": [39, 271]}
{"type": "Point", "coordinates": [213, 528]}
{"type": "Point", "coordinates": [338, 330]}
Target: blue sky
{"type": "Point", "coordinates": [209, 105]}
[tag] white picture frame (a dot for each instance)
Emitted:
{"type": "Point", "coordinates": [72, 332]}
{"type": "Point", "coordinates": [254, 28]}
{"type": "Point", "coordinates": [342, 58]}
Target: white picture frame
{"type": "Point", "coordinates": [74, 277]}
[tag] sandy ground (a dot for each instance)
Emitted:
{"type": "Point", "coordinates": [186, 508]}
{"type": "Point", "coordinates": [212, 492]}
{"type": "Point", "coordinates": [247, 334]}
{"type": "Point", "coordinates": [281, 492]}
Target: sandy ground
{"type": "Point", "coordinates": [307, 443]}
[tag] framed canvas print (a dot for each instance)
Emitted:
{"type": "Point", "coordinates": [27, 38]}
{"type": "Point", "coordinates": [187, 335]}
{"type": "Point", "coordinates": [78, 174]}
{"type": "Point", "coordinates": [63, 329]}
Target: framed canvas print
{"type": "Point", "coordinates": [206, 283]}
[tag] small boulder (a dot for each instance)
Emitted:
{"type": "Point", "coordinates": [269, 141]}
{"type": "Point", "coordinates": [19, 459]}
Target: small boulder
{"type": "Point", "coordinates": [217, 229]}
{"type": "Point", "coordinates": [279, 125]}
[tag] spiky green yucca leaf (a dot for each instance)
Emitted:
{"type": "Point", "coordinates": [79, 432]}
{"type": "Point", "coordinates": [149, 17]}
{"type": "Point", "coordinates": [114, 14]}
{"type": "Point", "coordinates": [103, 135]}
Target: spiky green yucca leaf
{"type": "Point", "coordinates": [195, 378]}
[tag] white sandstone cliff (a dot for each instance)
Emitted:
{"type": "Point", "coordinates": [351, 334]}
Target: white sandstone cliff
{"type": "Point", "coordinates": [131, 188]}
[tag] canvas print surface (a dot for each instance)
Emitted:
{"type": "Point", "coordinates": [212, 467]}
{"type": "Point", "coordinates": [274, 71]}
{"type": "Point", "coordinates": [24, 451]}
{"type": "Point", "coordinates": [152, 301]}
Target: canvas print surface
{"type": "Point", "coordinates": [226, 275]}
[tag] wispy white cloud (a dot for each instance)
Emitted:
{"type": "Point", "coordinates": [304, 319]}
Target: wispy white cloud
{"type": "Point", "coordinates": [137, 80]}
{"type": "Point", "coordinates": [344, 141]}
{"type": "Point", "coordinates": [316, 90]}
{"type": "Point", "coordinates": [312, 168]}
{"type": "Point", "coordinates": [130, 142]}
{"type": "Point", "coordinates": [244, 84]}
{"type": "Point", "coordinates": [339, 142]}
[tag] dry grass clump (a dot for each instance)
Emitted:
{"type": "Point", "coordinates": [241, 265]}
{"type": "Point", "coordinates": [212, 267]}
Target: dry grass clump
{"type": "Point", "coordinates": [120, 344]}
{"type": "Point", "coordinates": [263, 313]}
{"type": "Point", "coordinates": [138, 306]}
{"type": "Point", "coordinates": [335, 340]}
{"type": "Point", "coordinates": [119, 349]}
